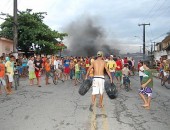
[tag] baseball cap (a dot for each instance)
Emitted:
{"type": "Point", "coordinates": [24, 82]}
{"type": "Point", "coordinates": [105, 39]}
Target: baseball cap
{"type": "Point", "coordinates": [111, 55]}
{"type": "Point", "coordinates": [99, 53]}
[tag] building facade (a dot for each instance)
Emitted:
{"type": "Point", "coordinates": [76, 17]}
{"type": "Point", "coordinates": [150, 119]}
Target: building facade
{"type": "Point", "coordinates": [163, 49]}
{"type": "Point", "coordinates": [6, 46]}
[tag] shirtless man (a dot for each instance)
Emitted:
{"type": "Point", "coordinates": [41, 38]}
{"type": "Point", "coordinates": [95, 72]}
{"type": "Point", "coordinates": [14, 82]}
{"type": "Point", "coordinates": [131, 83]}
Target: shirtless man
{"type": "Point", "coordinates": [98, 80]}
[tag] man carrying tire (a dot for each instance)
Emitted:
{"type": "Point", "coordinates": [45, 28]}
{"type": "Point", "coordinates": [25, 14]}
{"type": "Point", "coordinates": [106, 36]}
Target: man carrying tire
{"type": "Point", "coordinates": [98, 80]}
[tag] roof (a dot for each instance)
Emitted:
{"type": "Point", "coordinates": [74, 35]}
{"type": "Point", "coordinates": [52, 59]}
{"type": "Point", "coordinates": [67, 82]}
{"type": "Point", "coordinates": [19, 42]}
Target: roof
{"type": "Point", "coordinates": [167, 39]}
{"type": "Point", "coordinates": [5, 39]}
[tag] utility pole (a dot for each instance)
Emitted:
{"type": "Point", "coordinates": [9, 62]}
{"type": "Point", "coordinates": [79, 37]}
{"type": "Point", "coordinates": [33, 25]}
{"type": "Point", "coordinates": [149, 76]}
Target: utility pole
{"type": "Point", "coordinates": [151, 49]}
{"type": "Point", "coordinates": [140, 49]}
{"type": "Point", "coordinates": [143, 37]}
{"type": "Point", "coordinates": [15, 38]}
{"type": "Point", "coordinates": [153, 45]}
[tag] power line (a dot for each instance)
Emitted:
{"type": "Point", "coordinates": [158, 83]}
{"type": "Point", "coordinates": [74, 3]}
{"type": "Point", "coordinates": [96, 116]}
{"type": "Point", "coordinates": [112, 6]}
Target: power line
{"type": "Point", "coordinates": [159, 36]}
{"type": "Point", "coordinates": [150, 10]}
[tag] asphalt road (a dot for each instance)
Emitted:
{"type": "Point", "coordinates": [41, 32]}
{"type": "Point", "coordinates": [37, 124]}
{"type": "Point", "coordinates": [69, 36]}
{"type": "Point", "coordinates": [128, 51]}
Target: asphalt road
{"type": "Point", "coordinates": [60, 107]}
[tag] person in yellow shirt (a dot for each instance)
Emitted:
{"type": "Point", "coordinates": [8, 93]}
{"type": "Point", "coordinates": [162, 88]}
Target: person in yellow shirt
{"type": "Point", "coordinates": [111, 65]}
{"type": "Point", "coordinates": [10, 72]}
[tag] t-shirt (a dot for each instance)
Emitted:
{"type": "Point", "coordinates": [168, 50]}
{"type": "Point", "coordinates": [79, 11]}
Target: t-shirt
{"type": "Point", "coordinates": [66, 63]}
{"type": "Point", "coordinates": [2, 70]}
{"type": "Point", "coordinates": [87, 63]}
{"type": "Point", "coordinates": [24, 62]}
{"type": "Point", "coordinates": [10, 67]}
{"type": "Point", "coordinates": [56, 63]}
{"type": "Point", "coordinates": [148, 75]}
{"type": "Point", "coordinates": [31, 66]}
{"type": "Point", "coordinates": [111, 64]}
{"type": "Point", "coordinates": [38, 64]}
{"type": "Point", "coordinates": [125, 71]}
{"type": "Point", "coordinates": [47, 67]}
{"type": "Point", "coordinates": [141, 71]}
{"type": "Point", "coordinates": [77, 69]}
{"type": "Point", "coordinates": [119, 65]}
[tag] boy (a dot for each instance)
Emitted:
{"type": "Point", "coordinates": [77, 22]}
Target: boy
{"type": "Point", "coordinates": [147, 86]}
{"type": "Point", "coordinates": [125, 73]}
{"type": "Point", "coordinates": [77, 72]}
{"type": "Point", "coordinates": [2, 76]}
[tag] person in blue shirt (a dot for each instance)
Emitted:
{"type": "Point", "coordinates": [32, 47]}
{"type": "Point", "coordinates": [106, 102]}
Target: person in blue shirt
{"type": "Point", "coordinates": [66, 68]}
{"type": "Point", "coordinates": [24, 66]}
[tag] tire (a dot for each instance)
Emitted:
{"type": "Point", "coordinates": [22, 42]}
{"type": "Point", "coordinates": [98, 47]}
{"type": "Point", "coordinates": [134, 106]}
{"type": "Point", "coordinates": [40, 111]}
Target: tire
{"type": "Point", "coordinates": [111, 90]}
{"type": "Point", "coordinates": [85, 86]}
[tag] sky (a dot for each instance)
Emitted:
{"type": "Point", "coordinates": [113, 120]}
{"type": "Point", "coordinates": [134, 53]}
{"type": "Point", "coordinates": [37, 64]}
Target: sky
{"type": "Point", "coordinates": [119, 19]}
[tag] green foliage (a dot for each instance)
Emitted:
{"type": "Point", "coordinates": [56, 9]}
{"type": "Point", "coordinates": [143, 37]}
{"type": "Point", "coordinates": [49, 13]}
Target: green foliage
{"type": "Point", "coordinates": [31, 29]}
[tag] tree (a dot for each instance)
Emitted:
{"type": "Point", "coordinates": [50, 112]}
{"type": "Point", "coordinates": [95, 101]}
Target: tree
{"type": "Point", "coordinates": [32, 32]}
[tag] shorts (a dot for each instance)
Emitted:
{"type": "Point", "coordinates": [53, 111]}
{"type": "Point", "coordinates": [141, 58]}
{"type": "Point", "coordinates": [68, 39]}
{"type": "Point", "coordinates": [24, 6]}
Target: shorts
{"type": "Point", "coordinates": [47, 74]}
{"type": "Point", "coordinates": [146, 91]}
{"type": "Point", "coordinates": [118, 74]}
{"type": "Point", "coordinates": [66, 70]}
{"type": "Point", "coordinates": [2, 81]}
{"type": "Point", "coordinates": [58, 70]}
{"type": "Point", "coordinates": [10, 78]}
{"type": "Point", "coordinates": [83, 71]}
{"type": "Point", "coordinates": [98, 85]}
{"type": "Point", "coordinates": [112, 74]}
{"type": "Point", "coordinates": [77, 74]}
{"type": "Point", "coordinates": [32, 75]}
{"type": "Point", "coordinates": [37, 74]}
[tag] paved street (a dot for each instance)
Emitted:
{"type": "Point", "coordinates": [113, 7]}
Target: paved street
{"type": "Point", "coordinates": [60, 107]}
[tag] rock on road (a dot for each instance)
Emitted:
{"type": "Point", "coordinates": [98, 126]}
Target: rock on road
{"type": "Point", "coordinates": [60, 107]}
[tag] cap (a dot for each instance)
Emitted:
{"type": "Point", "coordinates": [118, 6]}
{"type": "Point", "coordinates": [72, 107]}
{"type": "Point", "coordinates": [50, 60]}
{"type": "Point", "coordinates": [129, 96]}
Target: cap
{"type": "Point", "coordinates": [111, 55]}
{"type": "Point", "coordinates": [99, 53]}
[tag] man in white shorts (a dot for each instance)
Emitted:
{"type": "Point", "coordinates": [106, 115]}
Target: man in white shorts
{"type": "Point", "coordinates": [98, 80]}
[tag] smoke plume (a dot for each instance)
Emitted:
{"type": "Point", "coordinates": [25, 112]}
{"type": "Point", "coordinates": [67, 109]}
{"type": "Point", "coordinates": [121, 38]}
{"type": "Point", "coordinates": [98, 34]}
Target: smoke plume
{"type": "Point", "coordinates": [86, 37]}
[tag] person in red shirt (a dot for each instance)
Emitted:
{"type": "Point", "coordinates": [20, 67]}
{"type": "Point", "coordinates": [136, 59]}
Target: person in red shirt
{"type": "Point", "coordinates": [125, 60]}
{"type": "Point", "coordinates": [139, 65]}
{"type": "Point", "coordinates": [118, 73]}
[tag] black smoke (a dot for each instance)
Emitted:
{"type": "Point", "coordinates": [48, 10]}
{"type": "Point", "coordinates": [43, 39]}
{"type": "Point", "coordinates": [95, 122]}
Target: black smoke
{"type": "Point", "coordinates": [86, 37]}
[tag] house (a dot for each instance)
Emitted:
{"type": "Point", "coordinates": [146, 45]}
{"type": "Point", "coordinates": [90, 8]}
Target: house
{"type": "Point", "coordinates": [163, 49]}
{"type": "Point", "coordinates": [6, 46]}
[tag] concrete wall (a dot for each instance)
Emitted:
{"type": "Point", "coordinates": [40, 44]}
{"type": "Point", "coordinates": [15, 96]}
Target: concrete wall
{"type": "Point", "coordinates": [158, 54]}
{"type": "Point", "coordinates": [6, 46]}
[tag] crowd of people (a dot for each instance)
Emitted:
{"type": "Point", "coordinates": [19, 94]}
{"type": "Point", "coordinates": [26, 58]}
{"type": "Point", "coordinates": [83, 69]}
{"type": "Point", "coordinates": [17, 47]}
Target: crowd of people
{"type": "Point", "coordinates": [72, 68]}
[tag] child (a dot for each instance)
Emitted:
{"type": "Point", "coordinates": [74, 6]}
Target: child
{"type": "Point", "coordinates": [77, 72]}
{"type": "Point", "coordinates": [47, 70]}
{"type": "Point", "coordinates": [2, 77]}
{"type": "Point", "coordinates": [31, 70]}
{"type": "Point", "coordinates": [125, 73]}
{"type": "Point", "coordinates": [147, 86]}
